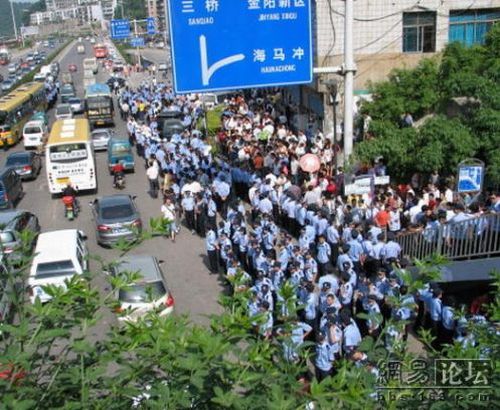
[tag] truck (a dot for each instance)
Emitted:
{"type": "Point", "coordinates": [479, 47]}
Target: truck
{"type": "Point", "coordinates": [90, 64]}
{"type": "Point", "coordinates": [88, 78]}
{"type": "Point", "coordinates": [80, 49]}
{"type": "Point", "coordinates": [99, 104]}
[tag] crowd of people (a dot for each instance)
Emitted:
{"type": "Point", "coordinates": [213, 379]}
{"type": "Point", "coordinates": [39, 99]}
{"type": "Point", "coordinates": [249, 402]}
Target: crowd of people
{"type": "Point", "coordinates": [309, 256]}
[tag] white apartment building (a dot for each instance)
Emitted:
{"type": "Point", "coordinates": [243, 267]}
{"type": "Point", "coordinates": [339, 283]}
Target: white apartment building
{"type": "Point", "coordinates": [388, 34]}
{"type": "Point", "coordinates": [85, 11]}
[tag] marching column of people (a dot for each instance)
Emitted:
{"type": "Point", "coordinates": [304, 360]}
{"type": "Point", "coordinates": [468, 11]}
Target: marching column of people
{"type": "Point", "coordinates": [338, 255]}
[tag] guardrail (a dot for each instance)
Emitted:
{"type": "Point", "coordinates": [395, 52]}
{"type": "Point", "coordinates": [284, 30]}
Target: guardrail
{"type": "Point", "coordinates": [477, 237]}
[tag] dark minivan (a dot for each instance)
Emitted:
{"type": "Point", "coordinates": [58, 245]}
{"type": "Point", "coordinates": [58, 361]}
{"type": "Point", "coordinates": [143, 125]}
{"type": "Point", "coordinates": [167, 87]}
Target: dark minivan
{"type": "Point", "coordinates": [11, 188]}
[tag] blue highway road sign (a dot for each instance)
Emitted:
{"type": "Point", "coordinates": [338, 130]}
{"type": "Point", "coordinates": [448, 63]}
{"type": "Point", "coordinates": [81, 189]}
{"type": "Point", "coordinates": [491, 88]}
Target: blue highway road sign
{"type": "Point", "coordinates": [137, 42]}
{"type": "Point", "coordinates": [120, 29]}
{"type": "Point", "coordinates": [151, 25]}
{"type": "Point", "coordinates": [470, 178]}
{"type": "Point", "coordinates": [232, 44]}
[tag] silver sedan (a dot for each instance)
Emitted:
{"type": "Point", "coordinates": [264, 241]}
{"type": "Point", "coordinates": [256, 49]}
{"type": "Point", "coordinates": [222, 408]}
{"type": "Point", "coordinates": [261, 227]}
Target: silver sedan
{"type": "Point", "coordinates": [100, 138]}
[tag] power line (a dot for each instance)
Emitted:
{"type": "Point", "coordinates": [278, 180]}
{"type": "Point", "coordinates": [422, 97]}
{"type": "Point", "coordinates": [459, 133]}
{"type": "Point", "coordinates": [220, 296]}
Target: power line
{"type": "Point", "coordinates": [330, 15]}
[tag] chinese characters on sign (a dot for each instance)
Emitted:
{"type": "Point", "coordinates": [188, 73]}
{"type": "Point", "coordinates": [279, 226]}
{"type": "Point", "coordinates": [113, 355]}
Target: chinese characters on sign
{"type": "Point", "coordinates": [223, 44]}
{"type": "Point", "coordinates": [422, 380]}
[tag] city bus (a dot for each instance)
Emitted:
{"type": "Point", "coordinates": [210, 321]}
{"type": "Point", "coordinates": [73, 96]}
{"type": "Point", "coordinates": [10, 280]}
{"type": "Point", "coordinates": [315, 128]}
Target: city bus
{"type": "Point", "coordinates": [16, 108]}
{"type": "Point", "coordinates": [100, 51]}
{"type": "Point", "coordinates": [99, 107]}
{"type": "Point", "coordinates": [69, 156]}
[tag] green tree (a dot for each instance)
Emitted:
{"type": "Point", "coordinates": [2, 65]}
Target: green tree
{"type": "Point", "coordinates": [414, 91]}
{"type": "Point", "coordinates": [50, 357]}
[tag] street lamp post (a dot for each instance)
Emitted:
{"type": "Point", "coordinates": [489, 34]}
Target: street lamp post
{"type": "Point", "coordinates": [13, 18]}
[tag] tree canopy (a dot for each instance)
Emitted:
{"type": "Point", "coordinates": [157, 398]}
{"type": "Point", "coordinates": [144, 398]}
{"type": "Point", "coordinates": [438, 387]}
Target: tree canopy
{"type": "Point", "coordinates": [440, 142]}
{"type": "Point", "coordinates": [51, 357]}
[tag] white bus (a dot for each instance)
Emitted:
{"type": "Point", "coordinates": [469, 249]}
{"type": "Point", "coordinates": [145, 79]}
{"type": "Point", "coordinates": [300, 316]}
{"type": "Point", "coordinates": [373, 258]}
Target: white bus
{"type": "Point", "coordinates": [70, 157]}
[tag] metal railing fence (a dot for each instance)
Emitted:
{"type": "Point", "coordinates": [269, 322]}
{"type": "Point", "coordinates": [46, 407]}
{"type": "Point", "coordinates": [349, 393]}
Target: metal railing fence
{"type": "Point", "coordinates": [472, 238]}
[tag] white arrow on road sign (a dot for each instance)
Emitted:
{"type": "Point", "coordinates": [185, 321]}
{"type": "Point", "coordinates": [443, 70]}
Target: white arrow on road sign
{"type": "Point", "coordinates": [206, 71]}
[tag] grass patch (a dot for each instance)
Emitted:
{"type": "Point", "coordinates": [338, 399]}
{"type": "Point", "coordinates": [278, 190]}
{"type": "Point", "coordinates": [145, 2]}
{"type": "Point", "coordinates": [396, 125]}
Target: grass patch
{"type": "Point", "coordinates": [122, 49]}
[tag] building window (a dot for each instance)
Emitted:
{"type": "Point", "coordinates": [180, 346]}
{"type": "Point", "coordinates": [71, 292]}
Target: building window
{"type": "Point", "coordinates": [419, 32]}
{"type": "Point", "coordinates": [470, 26]}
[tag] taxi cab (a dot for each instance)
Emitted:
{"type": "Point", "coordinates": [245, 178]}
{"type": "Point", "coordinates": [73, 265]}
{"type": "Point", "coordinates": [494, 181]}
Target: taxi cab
{"type": "Point", "coordinates": [7, 137]}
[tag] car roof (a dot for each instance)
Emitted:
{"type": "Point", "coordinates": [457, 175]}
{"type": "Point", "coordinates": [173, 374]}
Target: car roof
{"type": "Point", "coordinates": [7, 216]}
{"type": "Point", "coordinates": [34, 123]}
{"type": "Point", "coordinates": [110, 200]}
{"type": "Point", "coordinates": [20, 154]}
{"type": "Point", "coordinates": [49, 247]}
{"type": "Point", "coordinates": [145, 264]}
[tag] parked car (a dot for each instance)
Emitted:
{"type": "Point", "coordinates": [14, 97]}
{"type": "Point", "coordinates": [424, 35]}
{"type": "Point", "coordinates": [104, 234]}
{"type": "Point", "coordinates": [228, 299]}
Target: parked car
{"type": "Point", "coordinates": [120, 150]}
{"type": "Point", "coordinates": [27, 164]}
{"type": "Point", "coordinates": [116, 217]}
{"type": "Point", "coordinates": [35, 133]}
{"type": "Point", "coordinates": [40, 116]}
{"type": "Point", "coordinates": [67, 91]}
{"type": "Point", "coordinates": [64, 111]}
{"type": "Point", "coordinates": [72, 68]}
{"type": "Point", "coordinates": [7, 84]}
{"type": "Point", "coordinates": [12, 224]}
{"type": "Point", "coordinates": [11, 188]}
{"type": "Point", "coordinates": [146, 294]}
{"type": "Point", "coordinates": [101, 137]}
{"type": "Point", "coordinates": [59, 255]}
{"type": "Point", "coordinates": [76, 105]}
{"type": "Point", "coordinates": [12, 68]}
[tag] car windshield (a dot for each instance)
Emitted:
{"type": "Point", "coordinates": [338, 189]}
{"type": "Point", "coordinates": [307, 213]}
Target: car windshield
{"type": "Point", "coordinates": [32, 130]}
{"type": "Point", "coordinates": [99, 135]}
{"type": "Point", "coordinates": [17, 160]}
{"type": "Point", "coordinates": [63, 110]}
{"type": "Point", "coordinates": [58, 268]}
{"type": "Point", "coordinates": [6, 237]}
{"type": "Point", "coordinates": [118, 211]}
{"type": "Point", "coordinates": [74, 101]}
{"type": "Point", "coordinates": [141, 293]}
{"type": "Point", "coordinates": [120, 148]}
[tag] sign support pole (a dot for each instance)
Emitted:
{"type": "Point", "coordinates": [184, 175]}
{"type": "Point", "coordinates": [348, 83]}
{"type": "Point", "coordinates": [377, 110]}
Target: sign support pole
{"type": "Point", "coordinates": [349, 69]}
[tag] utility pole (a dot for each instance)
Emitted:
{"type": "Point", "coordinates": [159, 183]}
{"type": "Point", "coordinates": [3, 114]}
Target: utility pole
{"type": "Point", "coordinates": [349, 70]}
{"type": "Point", "coordinates": [138, 49]}
{"type": "Point", "coordinates": [13, 18]}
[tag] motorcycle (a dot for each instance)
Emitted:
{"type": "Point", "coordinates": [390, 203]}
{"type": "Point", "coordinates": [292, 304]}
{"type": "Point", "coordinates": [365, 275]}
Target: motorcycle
{"type": "Point", "coordinates": [70, 208]}
{"type": "Point", "coordinates": [119, 182]}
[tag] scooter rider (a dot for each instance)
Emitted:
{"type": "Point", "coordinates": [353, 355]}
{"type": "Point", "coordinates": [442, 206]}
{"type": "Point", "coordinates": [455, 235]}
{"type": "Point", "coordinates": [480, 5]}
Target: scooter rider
{"type": "Point", "coordinates": [69, 190]}
{"type": "Point", "coordinates": [117, 170]}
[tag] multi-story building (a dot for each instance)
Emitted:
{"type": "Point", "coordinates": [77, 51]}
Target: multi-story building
{"type": "Point", "coordinates": [108, 8]}
{"type": "Point", "coordinates": [156, 9]}
{"type": "Point", "coordinates": [85, 11]}
{"type": "Point", "coordinates": [389, 34]}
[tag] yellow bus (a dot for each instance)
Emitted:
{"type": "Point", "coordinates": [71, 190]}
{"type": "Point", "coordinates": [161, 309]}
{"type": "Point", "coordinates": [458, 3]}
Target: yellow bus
{"type": "Point", "coordinates": [15, 109]}
{"type": "Point", "coordinates": [69, 156]}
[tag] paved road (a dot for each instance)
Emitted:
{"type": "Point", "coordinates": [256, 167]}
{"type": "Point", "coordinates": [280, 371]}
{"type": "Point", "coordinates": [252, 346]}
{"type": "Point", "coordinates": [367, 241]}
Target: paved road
{"type": "Point", "coordinates": [194, 290]}
{"type": "Point", "coordinates": [17, 55]}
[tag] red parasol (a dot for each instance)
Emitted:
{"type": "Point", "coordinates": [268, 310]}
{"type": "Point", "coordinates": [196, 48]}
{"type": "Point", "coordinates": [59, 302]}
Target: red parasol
{"type": "Point", "coordinates": [309, 163]}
